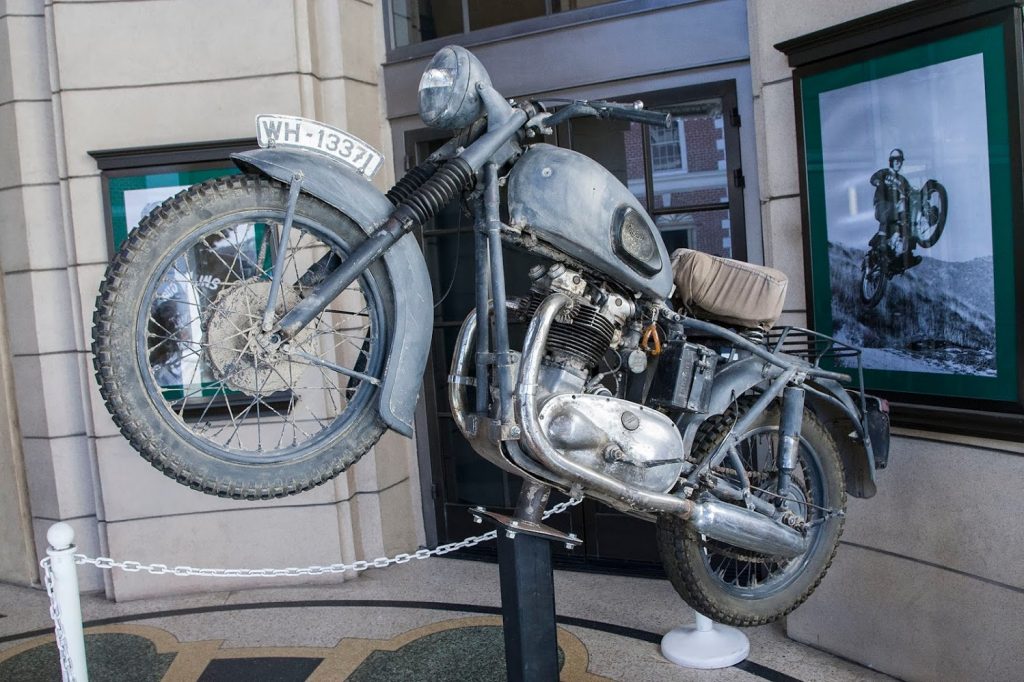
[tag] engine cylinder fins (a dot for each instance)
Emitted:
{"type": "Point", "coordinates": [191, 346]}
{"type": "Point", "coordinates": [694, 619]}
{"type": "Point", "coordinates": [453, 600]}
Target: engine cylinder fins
{"type": "Point", "coordinates": [586, 338]}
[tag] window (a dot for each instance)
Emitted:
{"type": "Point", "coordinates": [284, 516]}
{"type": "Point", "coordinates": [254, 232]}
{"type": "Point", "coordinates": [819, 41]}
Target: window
{"type": "Point", "coordinates": [668, 148]}
{"type": "Point", "coordinates": [415, 21]}
{"type": "Point", "coordinates": [687, 176]}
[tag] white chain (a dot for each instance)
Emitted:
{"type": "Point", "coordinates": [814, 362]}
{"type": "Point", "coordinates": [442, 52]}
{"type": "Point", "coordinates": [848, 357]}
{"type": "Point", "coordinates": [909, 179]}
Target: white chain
{"type": "Point", "coordinates": [381, 562]}
{"type": "Point", "coordinates": [58, 626]}
{"type": "Point", "coordinates": [163, 569]}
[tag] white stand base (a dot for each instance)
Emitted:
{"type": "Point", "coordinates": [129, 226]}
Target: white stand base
{"type": "Point", "coordinates": [705, 645]}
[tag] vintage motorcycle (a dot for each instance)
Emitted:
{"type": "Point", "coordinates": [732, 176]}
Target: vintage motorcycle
{"type": "Point", "coordinates": [921, 218]}
{"type": "Point", "coordinates": [310, 341]}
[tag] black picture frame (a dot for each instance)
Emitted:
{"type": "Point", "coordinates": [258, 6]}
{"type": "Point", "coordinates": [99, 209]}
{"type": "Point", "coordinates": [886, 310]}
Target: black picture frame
{"type": "Point", "coordinates": [918, 41]}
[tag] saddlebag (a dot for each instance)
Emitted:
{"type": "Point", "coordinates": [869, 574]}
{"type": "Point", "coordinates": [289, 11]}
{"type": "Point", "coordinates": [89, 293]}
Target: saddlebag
{"type": "Point", "coordinates": [728, 291]}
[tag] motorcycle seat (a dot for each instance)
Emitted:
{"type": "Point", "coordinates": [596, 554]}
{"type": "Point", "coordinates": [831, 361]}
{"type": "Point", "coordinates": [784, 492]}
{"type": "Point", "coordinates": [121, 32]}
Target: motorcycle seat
{"type": "Point", "coordinates": [728, 291]}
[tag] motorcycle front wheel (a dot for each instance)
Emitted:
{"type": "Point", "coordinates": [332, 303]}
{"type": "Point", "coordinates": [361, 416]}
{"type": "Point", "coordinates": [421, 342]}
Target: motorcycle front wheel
{"type": "Point", "coordinates": [183, 359]}
{"type": "Point", "coordinates": [934, 208]}
{"type": "Point", "coordinates": [873, 278]}
{"type": "Point", "coordinates": [740, 587]}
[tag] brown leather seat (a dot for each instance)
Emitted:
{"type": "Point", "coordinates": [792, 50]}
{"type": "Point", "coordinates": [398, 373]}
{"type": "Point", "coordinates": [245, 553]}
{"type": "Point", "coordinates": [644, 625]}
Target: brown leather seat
{"type": "Point", "coordinates": [728, 291]}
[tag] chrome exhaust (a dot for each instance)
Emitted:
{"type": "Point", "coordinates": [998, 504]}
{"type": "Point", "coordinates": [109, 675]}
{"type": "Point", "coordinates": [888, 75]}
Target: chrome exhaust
{"type": "Point", "coordinates": [505, 455]}
{"type": "Point", "coordinates": [747, 529]}
{"type": "Point", "coordinates": [719, 520]}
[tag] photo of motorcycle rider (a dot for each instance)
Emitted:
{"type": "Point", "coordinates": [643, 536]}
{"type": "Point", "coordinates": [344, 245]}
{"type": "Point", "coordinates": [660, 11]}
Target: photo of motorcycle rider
{"type": "Point", "coordinates": [892, 192]}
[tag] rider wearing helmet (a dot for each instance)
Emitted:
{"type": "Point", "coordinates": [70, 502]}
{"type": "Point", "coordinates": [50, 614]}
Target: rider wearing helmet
{"type": "Point", "coordinates": [892, 197]}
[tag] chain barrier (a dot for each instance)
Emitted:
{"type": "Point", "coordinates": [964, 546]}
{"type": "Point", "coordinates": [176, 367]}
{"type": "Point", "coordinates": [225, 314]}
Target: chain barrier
{"type": "Point", "coordinates": [162, 569]}
{"type": "Point", "coordinates": [58, 625]}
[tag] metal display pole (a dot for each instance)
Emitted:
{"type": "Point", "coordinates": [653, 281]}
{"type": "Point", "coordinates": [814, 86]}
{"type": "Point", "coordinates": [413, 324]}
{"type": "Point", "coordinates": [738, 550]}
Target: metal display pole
{"type": "Point", "coordinates": [528, 586]}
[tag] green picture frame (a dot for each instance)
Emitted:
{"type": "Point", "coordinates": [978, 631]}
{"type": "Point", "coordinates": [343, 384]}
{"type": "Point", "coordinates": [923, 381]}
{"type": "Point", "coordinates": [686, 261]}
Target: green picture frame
{"type": "Point", "coordinates": [143, 189]}
{"type": "Point", "coordinates": [933, 369]}
{"type": "Point", "coordinates": [882, 123]}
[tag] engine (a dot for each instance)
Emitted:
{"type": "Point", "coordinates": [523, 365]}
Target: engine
{"type": "Point", "coordinates": [637, 445]}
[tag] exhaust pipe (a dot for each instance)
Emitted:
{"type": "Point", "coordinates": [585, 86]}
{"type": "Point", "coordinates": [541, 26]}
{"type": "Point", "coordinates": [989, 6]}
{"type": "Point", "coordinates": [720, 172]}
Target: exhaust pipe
{"type": "Point", "coordinates": [747, 529]}
{"type": "Point", "coordinates": [719, 520]}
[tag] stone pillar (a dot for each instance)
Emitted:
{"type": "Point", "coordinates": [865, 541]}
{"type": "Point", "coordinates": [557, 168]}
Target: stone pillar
{"type": "Point", "coordinates": [926, 583]}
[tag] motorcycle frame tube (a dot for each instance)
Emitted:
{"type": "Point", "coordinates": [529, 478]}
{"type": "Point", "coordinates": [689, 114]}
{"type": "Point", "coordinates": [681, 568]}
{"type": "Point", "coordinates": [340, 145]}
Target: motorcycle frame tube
{"type": "Point", "coordinates": [483, 321]}
{"type": "Point", "coordinates": [742, 425]}
{"type": "Point", "coordinates": [510, 458]}
{"type": "Point", "coordinates": [502, 355]}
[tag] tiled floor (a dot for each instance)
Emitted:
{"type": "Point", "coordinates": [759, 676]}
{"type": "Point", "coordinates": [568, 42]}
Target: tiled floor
{"type": "Point", "coordinates": [610, 626]}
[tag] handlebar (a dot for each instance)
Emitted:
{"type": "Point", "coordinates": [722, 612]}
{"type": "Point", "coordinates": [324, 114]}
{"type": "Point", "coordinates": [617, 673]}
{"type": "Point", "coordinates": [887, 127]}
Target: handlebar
{"type": "Point", "coordinates": [627, 112]}
{"type": "Point", "coordinates": [633, 112]}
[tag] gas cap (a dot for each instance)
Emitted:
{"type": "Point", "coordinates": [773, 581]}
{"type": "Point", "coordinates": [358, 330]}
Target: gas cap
{"type": "Point", "coordinates": [630, 421]}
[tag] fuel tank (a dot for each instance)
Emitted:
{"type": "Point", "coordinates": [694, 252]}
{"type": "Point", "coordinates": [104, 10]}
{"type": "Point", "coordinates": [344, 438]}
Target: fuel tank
{"type": "Point", "coordinates": [572, 203]}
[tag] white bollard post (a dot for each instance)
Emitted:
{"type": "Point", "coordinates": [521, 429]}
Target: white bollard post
{"type": "Point", "coordinates": [68, 613]}
{"type": "Point", "coordinates": [705, 644]}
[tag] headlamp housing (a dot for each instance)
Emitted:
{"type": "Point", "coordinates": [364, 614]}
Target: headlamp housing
{"type": "Point", "coordinates": [449, 89]}
{"type": "Point", "coordinates": [633, 240]}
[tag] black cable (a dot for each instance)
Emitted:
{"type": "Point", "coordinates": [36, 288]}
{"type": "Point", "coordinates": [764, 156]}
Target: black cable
{"type": "Point", "coordinates": [458, 257]}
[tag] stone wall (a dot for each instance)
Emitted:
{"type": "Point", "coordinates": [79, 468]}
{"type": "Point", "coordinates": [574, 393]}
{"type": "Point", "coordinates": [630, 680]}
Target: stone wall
{"type": "Point", "coordinates": [95, 76]}
{"type": "Point", "coordinates": [926, 584]}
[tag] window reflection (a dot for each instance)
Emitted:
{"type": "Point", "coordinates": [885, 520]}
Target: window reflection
{"type": "Point", "coordinates": [688, 160]}
{"type": "Point", "coordinates": [685, 166]}
{"type": "Point", "coordinates": [416, 21]}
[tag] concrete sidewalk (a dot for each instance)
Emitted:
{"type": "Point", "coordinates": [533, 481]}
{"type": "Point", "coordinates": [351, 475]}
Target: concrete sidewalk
{"type": "Point", "coordinates": [434, 619]}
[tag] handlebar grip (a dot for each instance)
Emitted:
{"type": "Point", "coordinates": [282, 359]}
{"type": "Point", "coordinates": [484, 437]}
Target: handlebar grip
{"type": "Point", "coordinates": [627, 112]}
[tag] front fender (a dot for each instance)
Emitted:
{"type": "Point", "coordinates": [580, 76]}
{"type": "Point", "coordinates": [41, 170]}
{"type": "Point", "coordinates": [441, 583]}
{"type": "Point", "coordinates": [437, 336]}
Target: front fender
{"type": "Point", "coordinates": [354, 196]}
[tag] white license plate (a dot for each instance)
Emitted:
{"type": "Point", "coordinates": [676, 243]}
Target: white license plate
{"type": "Point", "coordinates": [273, 130]}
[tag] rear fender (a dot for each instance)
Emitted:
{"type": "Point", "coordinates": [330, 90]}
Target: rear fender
{"type": "Point", "coordinates": [354, 196]}
{"type": "Point", "coordinates": [844, 424]}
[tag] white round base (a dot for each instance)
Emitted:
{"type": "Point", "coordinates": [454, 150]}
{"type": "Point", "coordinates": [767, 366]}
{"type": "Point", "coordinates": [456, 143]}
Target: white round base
{"type": "Point", "coordinates": [705, 645]}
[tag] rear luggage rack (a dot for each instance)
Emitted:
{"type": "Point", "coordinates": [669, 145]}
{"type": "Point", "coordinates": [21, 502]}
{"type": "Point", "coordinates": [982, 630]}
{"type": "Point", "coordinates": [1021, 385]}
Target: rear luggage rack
{"type": "Point", "coordinates": [813, 347]}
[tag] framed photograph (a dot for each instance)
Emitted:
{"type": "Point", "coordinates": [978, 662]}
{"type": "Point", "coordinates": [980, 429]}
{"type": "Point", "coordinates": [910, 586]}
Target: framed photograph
{"type": "Point", "coordinates": [134, 183]}
{"type": "Point", "coordinates": [910, 160]}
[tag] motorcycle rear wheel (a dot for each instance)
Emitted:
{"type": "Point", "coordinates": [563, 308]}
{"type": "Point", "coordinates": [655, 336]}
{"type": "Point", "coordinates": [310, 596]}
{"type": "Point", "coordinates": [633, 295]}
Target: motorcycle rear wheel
{"type": "Point", "coordinates": [873, 278]}
{"type": "Point", "coordinates": [934, 208]}
{"type": "Point", "coordinates": [743, 588]}
{"type": "Point", "coordinates": [183, 361]}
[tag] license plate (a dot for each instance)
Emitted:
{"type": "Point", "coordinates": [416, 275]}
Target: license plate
{"type": "Point", "coordinates": [273, 130]}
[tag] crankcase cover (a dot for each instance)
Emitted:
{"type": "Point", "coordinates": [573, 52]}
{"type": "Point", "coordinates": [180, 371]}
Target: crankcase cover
{"type": "Point", "coordinates": [634, 444]}
{"type": "Point", "coordinates": [573, 203]}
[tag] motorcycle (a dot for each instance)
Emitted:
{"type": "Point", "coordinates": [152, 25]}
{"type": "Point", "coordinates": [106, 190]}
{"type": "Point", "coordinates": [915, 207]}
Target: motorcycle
{"type": "Point", "coordinates": [921, 218]}
{"type": "Point", "coordinates": [735, 438]}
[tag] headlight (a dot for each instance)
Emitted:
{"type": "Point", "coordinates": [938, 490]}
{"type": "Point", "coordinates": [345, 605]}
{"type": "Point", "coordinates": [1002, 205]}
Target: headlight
{"type": "Point", "coordinates": [634, 241]}
{"type": "Point", "coordinates": [448, 89]}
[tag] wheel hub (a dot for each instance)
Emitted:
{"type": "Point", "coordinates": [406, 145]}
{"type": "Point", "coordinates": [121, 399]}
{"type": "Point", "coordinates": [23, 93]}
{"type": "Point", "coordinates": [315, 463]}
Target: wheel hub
{"type": "Point", "coordinates": [237, 347]}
